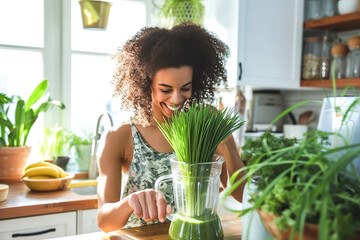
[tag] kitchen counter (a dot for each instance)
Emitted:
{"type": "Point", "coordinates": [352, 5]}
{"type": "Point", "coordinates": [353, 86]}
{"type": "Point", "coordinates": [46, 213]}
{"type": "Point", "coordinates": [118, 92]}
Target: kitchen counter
{"type": "Point", "coordinates": [230, 222]}
{"type": "Point", "coordinates": [22, 202]}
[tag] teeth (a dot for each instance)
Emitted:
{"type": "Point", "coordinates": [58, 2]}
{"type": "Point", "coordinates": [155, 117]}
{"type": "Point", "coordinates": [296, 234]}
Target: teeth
{"type": "Point", "coordinates": [172, 108]}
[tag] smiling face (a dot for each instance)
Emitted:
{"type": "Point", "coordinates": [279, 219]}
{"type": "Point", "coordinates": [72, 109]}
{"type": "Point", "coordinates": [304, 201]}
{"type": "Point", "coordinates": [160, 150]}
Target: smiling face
{"type": "Point", "coordinates": [170, 86]}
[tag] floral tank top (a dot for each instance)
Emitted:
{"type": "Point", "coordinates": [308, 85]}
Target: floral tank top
{"type": "Point", "coordinates": [146, 167]}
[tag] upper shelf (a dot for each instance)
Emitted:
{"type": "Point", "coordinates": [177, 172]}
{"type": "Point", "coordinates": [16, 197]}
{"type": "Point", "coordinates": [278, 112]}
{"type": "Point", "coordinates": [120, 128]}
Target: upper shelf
{"type": "Point", "coordinates": [344, 22]}
{"type": "Point", "coordinates": [340, 83]}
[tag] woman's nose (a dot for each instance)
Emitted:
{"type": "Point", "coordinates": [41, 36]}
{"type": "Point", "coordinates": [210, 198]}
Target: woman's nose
{"type": "Point", "coordinates": [177, 98]}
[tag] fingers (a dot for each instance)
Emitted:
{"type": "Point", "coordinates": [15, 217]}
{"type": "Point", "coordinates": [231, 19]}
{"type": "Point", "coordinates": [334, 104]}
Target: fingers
{"type": "Point", "coordinates": [161, 206]}
{"type": "Point", "coordinates": [152, 209]}
{"type": "Point", "coordinates": [143, 203]}
{"type": "Point", "coordinates": [135, 205]}
{"type": "Point", "coordinates": [149, 205]}
{"type": "Point", "coordinates": [168, 209]}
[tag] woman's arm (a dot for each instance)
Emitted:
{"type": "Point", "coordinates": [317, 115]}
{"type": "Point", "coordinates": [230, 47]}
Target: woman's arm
{"type": "Point", "coordinates": [233, 162]}
{"type": "Point", "coordinates": [113, 214]}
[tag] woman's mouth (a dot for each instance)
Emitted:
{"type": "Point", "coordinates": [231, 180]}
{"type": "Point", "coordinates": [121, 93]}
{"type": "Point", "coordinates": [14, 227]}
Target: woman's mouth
{"type": "Point", "coordinates": [171, 109]}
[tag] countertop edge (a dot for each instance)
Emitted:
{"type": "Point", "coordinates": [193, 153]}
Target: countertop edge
{"type": "Point", "coordinates": [22, 202]}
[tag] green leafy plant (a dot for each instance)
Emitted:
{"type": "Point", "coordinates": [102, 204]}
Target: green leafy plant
{"type": "Point", "coordinates": [194, 135]}
{"type": "Point", "coordinates": [308, 181]}
{"type": "Point", "coordinates": [57, 141]}
{"type": "Point", "coordinates": [14, 131]}
{"type": "Point", "coordinates": [173, 12]}
{"type": "Point", "coordinates": [85, 139]}
{"type": "Point", "coordinates": [303, 183]}
{"type": "Point", "coordinates": [82, 145]}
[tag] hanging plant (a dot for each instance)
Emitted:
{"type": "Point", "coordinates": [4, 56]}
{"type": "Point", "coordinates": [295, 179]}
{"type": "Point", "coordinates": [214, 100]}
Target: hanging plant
{"type": "Point", "coordinates": [174, 12]}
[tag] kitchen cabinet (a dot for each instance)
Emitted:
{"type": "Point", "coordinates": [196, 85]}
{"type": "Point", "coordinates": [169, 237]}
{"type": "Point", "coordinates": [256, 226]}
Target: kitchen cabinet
{"type": "Point", "coordinates": [50, 225]}
{"type": "Point", "coordinates": [270, 43]}
{"type": "Point", "coordinates": [87, 221]}
{"type": "Point", "coordinates": [55, 213]}
{"type": "Point", "coordinates": [39, 227]}
{"type": "Point", "coordinates": [338, 23]}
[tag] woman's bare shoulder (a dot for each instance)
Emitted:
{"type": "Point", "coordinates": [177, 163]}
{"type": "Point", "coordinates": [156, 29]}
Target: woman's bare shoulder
{"type": "Point", "coordinates": [118, 137]}
{"type": "Point", "coordinates": [121, 130]}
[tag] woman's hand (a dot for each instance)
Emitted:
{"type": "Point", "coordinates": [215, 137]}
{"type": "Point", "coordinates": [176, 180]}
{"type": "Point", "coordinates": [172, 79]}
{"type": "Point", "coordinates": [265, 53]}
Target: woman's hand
{"type": "Point", "coordinates": [149, 205]}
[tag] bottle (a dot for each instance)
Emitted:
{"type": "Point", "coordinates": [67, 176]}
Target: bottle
{"type": "Point", "coordinates": [328, 8]}
{"type": "Point", "coordinates": [353, 58]}
{"type": "Point", "coordinates": [338, 64]}
{"type": "Point", "coordinates": [311, 58]}
{"type": "Point", "coordinates": [325, 61]}
{"type": "Point", "coordinates": [312, 10]}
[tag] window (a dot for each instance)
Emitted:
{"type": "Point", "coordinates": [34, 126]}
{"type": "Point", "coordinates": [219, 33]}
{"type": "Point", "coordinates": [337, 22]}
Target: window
{"type": "Point", "coordinates": [91, 63]}
{"type": "Point", "coordinates": [49, 42]}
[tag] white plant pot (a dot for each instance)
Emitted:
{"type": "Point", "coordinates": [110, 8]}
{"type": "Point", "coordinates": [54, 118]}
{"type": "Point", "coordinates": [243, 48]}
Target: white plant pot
{"type": "Point", "coordinates": [82, 156]}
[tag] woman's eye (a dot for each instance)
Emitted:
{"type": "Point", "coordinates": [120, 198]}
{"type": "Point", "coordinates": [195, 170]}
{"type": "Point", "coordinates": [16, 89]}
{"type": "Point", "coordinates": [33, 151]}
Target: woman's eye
{"type": "Point", "coordinates": [165, 91]}
{"type": "Point", "coordinates": [186, 89]}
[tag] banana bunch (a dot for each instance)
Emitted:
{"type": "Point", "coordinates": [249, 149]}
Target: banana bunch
{"type": "Point", "coordinates": [43, 170]}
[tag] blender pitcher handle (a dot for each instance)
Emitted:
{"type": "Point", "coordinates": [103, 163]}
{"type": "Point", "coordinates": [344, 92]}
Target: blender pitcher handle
{"type": "Point", "coordinates": [157, 188]}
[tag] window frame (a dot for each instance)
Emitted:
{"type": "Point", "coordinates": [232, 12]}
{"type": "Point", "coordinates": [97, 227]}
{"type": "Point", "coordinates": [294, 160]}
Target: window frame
{"type": "Point", "coordinates": [57, 54]}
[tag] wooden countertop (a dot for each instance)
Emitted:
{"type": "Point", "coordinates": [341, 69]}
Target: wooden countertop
{"type": "Point", "coordinates": [230, 222]}
{"type": "Point", "coordinates": [22, 201]}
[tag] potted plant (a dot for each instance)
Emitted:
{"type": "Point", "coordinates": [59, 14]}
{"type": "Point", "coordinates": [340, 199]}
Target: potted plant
{"type": "Point", "coordinates": [173, 12]}
{"type": "Point", "coordinates": [302, 185]}
{"type": "Point", "coordinates": [15, 130]}
{"type": "Point", "coordinates": [57, 143]}
{"type": "Point", "coordinates": [82, 145]}
{"type": "Point", "coordinates": [308, 188]}
{"type": "Point", "coordinates": [94, 14]}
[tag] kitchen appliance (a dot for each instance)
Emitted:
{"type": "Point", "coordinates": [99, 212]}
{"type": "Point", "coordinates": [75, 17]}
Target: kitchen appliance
{"type": "Point", "coordinates": [196, 199]}
{"type": "Point", "coordinates": [265, 107]}
{"type": "Point", "coordinates": [331, 120]}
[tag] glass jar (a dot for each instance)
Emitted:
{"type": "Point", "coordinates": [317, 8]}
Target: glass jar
{"type": "Point", "coordinates": [328, 8]}
{"type": "Point", "coordinates": [325, 60]}
{"type": "Point", "coordinates": [311, 58]}
{"type": "Point", "coordinates": [196, 194]}
{"type": "Point", "coordinates": [338, 64]}
{"type": "Point", "coordinates": [312, 10]}
{"type": "Point", "coordinates": [353, 58]}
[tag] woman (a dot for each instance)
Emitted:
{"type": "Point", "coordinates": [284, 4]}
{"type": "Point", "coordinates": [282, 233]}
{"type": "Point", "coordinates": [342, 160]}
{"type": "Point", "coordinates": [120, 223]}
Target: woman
{"type": "Point", "coordinates": [158, 70]}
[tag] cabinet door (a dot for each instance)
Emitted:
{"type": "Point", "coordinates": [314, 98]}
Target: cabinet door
{"type": "Point", "coordinates": [87, 221]}
{"type": "Point", "coordinates": [270, 43]}
{"type": "Point", "coordinates": [39, 227]}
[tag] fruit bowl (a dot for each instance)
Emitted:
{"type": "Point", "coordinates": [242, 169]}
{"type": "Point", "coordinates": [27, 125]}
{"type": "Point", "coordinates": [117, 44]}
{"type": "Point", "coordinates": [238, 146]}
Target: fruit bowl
{"type": "Point", "coordinates": [48, 184]}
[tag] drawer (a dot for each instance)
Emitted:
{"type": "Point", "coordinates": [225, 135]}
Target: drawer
{"type": "Point", "coordinates": [39, 227]}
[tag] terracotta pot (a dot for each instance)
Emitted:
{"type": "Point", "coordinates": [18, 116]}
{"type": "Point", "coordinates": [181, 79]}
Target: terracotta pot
{"type": "Point", "coordinates": [12, 162]}
{"type": "Point", "coordinates": [310, 230]}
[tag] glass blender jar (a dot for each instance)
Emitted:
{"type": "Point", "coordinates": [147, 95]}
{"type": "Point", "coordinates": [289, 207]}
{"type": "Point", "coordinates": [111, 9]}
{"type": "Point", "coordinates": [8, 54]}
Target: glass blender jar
{"type": "Point", "coordinates": [196, 194]}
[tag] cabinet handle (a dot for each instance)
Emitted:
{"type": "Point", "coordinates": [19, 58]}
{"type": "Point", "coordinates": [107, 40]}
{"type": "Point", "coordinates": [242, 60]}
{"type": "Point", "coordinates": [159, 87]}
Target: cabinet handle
{"type": "Point", "coordinates": [33, 233]}
{"type": "Point", "coordinates": [240, 72]}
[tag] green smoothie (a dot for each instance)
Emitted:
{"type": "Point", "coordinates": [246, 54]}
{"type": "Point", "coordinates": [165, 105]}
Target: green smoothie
{"type": "Point", "coordinates": [206, 227]}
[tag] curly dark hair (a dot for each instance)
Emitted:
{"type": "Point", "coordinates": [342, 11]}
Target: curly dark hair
{"type": "Point", "coordinates": [152, 49]}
